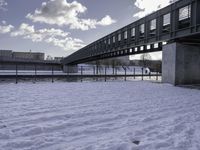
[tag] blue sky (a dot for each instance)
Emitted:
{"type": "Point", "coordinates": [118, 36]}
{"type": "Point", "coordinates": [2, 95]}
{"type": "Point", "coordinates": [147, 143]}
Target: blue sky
{"type": "Point", "coordinates": [60, 27]}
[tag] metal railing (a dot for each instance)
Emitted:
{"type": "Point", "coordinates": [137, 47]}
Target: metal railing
{"type": "Point", "coordinates": [83, 73]}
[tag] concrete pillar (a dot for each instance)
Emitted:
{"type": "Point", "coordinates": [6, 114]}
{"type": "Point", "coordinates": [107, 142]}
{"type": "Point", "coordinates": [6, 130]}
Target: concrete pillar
{"type": "Point", "coordinates": [181, 64]}
{"type": "Point", "coordinates": [70, 69]}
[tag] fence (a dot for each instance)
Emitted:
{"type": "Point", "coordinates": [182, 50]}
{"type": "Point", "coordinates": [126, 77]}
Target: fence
{"type": "Point", "coordinates": [83, 73]}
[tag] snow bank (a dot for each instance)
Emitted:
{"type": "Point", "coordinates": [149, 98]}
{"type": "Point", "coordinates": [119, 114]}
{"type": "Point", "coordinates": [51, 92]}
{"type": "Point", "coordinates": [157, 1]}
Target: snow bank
{"type": "Point", "coordinates": [99, 116]}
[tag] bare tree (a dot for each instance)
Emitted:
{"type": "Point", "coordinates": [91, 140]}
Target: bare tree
{"type": "Point", "coordinates": [49, 57]}
{"type": "Point", "coordinates": [146, 58]}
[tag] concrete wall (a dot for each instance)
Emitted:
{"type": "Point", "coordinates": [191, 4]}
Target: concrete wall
{"type": "Point", "coordinates": [168, 63]}
{"type": "Point", "coordinates": [181, 64]}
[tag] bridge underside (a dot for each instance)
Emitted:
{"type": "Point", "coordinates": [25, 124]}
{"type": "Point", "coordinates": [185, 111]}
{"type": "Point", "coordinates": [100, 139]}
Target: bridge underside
{"type": "Point", "coordinates": [120, 53]}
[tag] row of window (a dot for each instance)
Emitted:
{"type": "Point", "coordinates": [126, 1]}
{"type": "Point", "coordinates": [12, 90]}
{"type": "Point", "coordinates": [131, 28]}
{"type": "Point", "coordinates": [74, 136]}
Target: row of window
{"type": "Point", "coordinates": [136, 49]}
{"type": "Point", "coordinates": [184, 13]}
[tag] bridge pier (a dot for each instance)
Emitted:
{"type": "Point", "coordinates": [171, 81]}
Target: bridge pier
{"type": "Point", "coordinates": [181, 64]}
{"type": "Point", "coordinates": [70, 68]}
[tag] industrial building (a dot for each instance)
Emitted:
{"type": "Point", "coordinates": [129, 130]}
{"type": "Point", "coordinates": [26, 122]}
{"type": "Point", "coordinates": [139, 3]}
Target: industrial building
{"type": "Point", "coordinates": [9, 54]}
{"type": "Point", "coordinates": [28, 55]}
{"type": "Point", "coordinates": [6, 53]}
{"type": "Point", "coordinates": [9, 60]}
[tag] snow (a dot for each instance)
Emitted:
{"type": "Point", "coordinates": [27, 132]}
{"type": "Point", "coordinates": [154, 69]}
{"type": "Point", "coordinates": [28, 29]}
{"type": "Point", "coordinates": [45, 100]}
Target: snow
{"type": "Point", "coordinates": [99, 116]}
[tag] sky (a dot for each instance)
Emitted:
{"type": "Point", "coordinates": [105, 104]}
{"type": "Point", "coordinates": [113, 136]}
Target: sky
{"type": "Point", "coordinates": [61, 27]}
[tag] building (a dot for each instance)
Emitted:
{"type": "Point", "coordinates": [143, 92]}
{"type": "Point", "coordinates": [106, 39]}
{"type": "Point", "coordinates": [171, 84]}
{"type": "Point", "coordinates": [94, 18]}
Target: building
{"type": "Point", "coordinates": [9, 54]}
{"type": "Point", "coordinates": [6, 53]}
{"type": "Point", "coordinates": [10, 60]}
{"type": "Point", "coordinates": [58, 58]}
{"type": "Point", "coordinates": [28, 55]}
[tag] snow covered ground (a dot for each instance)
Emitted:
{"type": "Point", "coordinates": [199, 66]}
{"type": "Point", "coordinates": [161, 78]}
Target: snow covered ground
{"type": "Point", "coordinates": [99, 116]}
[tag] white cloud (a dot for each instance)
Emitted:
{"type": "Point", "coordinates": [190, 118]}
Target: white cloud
{"type": "Point", "coordinates": [61, 12]}
{"type": "Point", "coordinates": [52, 36]}
{"type": "Point", "coordinates": [149, 6]}
{"type": "Point", "coordinates": [107, 20]}
{"type": "Point", "coordinates": [3, 3]}
{"type": "Point", "coordinates": [5, 28]}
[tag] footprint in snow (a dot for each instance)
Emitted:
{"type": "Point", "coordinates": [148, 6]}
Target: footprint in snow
{"type": "Point", "coordinates": [2, 126]}
{"type": "Point", "coordinates": [136, 142]}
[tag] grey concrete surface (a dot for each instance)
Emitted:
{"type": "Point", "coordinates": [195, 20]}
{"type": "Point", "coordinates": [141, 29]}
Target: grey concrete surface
{"type": "Point", "coordinates": [181, 64]}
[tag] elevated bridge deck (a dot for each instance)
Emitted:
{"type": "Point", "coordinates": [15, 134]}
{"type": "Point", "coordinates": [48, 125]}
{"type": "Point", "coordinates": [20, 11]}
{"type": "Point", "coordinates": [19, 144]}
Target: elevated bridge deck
{"type": "Point", "coordinates": [178, 22]}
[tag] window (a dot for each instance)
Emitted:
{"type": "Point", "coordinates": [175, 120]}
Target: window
{"type": "Point", "coordinates": [141, 48]}
{"type": "Point", "coordinates": [136, 49]}
{"type": "Point", "coordinates": [185, 12]}
{"type": "Point", "coordinates": [119, 37]}
{"type": "Point", "coordinates": [166, 19]}
{"type": "Point", "coordinates": [125, 35]}
{"type": "Point", "coordinates": [156, 45]}
{"type": "Point", "coordinates": [113, 39]}
{"type": "Point", "coordinates": [164, 43]}
{"type": "Point", "coordinates": [153, 24]}
{"type": "Point", "coordinates": [109, 41]}
{"type": "Point", "coordinates": [142, 28]}
{"type": "Point", "coordinates": [133, 32]}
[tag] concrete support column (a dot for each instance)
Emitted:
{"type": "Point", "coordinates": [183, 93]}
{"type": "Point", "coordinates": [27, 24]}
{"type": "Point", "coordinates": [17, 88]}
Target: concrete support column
{"type": "Point", "coordinates": [181, 64]}
{"type": "Point", "coordinates": [70, 68]}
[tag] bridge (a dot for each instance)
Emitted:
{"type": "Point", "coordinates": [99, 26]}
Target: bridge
{"type": "Point", "coordinates": [175, 30]}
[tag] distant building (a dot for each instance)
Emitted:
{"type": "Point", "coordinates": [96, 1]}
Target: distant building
{"type": "Point", "coordinates": [58, 58]}
{"type": "Point", "coordinates": [9, 54]}
{"type": "Point", "coordinates": [6, 53]}
{"type": "Point", "coordinates": [123, 59]}
{"type": "Point", "coordinates": [28, 55]}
